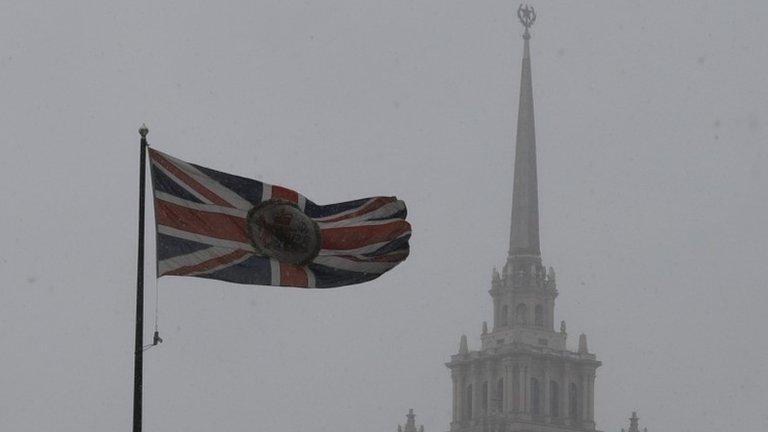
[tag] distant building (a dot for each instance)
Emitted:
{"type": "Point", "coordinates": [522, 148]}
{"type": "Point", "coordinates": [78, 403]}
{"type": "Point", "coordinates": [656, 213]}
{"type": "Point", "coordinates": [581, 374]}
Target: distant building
{"type": "Point", "coordinates": [523, 377]}
{"type": "Point", "coordinates": [633, 424]}
{"type": "Point", "coordinates": [410, 423]}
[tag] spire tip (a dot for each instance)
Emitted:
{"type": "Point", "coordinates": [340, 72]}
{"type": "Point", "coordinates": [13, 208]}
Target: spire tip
{"type": "Point", "coordinates": [527, 16]}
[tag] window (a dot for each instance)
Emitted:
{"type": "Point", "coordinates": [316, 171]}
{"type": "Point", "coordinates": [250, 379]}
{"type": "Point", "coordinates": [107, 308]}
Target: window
{"type": "Point", "coordinates": [485, 396]}
{"type": "Point", "coordinates": [469, 402]}
{"type": "Point", "coordinates": [516, 396]}
{"type": "Point", "coordinates": [573, 401]}
{"type": "Point", "coordinates": [504, 313]}
{"type": "Point", "coordinates": [535, 397]}
{"type": "Point", "coordinates": [500, 395]}
{"type": "Point", "coordinates": [554, 399]}
{"type": "Point", "coordinates": [538, 316]}
{"type": "Point", "coordinates": [521, 314]}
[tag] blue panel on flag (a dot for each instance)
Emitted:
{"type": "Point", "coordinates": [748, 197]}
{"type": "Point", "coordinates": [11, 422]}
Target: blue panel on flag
{"type": "Point", "coordinates": [400, 244]}
{"type": "Point", "coordinates": [318, 211]}
{"type": "Point", "coordinates": [328, 277]}
{"type": "Point", "coordinates": [170, 246]}
{"type": "Point", "coordinates": [250, 190]}
{"type": "Point", "coordinates": [163, 183]}
{"type": "Point", "coordinates": [255, 271]}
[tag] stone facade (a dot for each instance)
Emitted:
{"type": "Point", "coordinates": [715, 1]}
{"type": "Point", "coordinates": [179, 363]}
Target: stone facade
{"type": "Point", "coordinates": [523, 377]}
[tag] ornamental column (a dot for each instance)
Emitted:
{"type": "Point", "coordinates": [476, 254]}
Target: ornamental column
{"type": "Point", "coordinates": [545, 392]}
{"type": "Point", "coordinates": [523, 392]}
{"type": "Point", "coordinates": [455, 414]}
{"type": "Point", "coordinates": [567, 379]}
{"type": "Point", "coordinates": [474, 382]}
{"type": "Point", "coordinates": [460, 397]}
{"type": "Point", "coordinates": [564, 394]}
{"type": "Point", "coordinates": [591, 400]}
{"type": "Point", "coordinates": [508, 390]}
{"type": "Point", "coordinates": [584, 397]}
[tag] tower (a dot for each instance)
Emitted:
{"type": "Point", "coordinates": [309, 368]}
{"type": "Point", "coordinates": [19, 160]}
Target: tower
{"type": "Point", "coordinates": [634, 424]}
{"type": "Point", "coordinates": [410, 423]}
{"type": "Point", "coordinates": [523, 378]}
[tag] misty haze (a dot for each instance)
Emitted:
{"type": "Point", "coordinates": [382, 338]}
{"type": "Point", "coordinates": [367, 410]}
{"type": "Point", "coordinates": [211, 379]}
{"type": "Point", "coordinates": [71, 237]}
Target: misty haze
{"type": "Point", "coordinates": [583, 249]}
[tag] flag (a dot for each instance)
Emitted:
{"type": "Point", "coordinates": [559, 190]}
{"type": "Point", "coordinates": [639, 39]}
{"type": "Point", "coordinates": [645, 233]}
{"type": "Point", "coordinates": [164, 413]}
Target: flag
{"type": "Point", "coordinates": [221, 226]}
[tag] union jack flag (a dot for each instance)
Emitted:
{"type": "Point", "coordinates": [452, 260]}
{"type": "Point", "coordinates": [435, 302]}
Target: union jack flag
{"type": "Point", "coordinates": [221, 226]}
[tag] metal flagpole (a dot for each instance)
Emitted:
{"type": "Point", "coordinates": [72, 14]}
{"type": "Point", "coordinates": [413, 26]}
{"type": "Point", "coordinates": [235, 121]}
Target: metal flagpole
{"type": "Point", "coordinates": [139, 353]}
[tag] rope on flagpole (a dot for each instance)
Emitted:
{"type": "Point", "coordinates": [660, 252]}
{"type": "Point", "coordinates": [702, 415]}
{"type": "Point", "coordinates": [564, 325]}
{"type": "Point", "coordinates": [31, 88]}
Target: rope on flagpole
{"type": "Point", "coordinates": [157, 303]}
{"type": "Point", "coordinates": [156, 339]}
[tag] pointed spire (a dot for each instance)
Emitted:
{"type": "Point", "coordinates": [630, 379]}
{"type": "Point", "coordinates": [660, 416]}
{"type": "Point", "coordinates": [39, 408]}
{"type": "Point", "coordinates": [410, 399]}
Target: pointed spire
{"type": "Point", "coordinates": [410, 424]}
{"type": "Point", "coordinates": [524, 232]}
{"type": "Point", "coordinates": [583, 349]}
{"type": "Point", "coordinates": [463, 347]}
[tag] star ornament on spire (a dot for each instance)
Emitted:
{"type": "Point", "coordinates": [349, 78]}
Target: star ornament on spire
{"type": "Point", "coordinates": [527, 16]}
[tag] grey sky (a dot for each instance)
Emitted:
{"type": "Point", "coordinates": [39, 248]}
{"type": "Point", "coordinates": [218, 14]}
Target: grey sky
{"type": "Point", "coordinates": [652, 125]}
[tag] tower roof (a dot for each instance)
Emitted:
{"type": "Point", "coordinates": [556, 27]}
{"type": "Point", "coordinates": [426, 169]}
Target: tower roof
{"type": "Point", "coordinates": [524, 231]}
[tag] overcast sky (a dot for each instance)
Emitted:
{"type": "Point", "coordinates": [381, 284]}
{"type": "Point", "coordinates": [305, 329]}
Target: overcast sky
{"type": "Point", "coordinates": [652, 130]}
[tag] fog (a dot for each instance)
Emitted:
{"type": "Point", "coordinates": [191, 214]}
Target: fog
{"type": "Point", "coordinates": [652, 130]}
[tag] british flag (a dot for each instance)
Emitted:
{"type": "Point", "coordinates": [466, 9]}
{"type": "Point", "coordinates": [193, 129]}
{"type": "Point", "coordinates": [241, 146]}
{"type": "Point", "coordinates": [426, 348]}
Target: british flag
{"type": "Point", "coordinates": [221, 226]}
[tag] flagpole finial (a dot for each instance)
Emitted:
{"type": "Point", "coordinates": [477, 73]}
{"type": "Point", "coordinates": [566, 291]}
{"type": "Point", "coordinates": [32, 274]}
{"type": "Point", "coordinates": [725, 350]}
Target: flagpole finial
{"type": "Point", "coordinates": [143, 130]}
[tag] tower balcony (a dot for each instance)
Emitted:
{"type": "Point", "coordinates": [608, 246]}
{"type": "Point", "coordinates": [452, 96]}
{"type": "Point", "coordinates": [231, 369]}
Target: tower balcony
{"type": "Point", "coordinates": [537, 337]}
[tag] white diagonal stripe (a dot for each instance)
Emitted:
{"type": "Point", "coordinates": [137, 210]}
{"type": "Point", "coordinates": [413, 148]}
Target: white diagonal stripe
{"type": "Point", "coordinates": [311, 282]}
{"type": "Point", "coordinates": [190, 259]}
{"type": "Point", "coordinates": [302, 202]}
{"type": "Point", "coordinates": [213, 241]}
{"type": "Point", "coordinates": [373, 247]}
{"type": "Point", "coordinates": [225, 193]}
{"type": "Point", "coordinates": [384, 211]}
{"type": "Point", "coordinates": [356, 266]}
{"type": "Point", "coordinates": [182, 184]}
{"type": "Point", "coordinates": [266, 192]}
{"type": "Point", "coordinates": [211, 208]}
{"type": "Point", "coordinates": [356, 222]}
{"type": "Point", "coordinates": [344, 213]}
{"type": "Point", "coordinates": [221, 266]}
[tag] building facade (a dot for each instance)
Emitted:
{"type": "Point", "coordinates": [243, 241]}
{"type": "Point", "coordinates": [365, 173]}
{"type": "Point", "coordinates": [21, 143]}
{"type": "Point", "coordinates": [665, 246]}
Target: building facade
{"type": "Point", "coordinates": [523, 377]}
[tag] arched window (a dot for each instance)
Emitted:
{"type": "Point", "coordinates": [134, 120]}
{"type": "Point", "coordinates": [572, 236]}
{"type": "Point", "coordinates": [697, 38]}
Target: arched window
{"type": "Point", "coordinates": [504, 314]}
{"type": "Point", "coordinates": [521, 314]}
{"type": "Point", "coordinates": [500, 395]}
{"type": "Point", "coordinates": [554, 399]}
{"type": "Point", "coordinates": [516, 396]}
{"type": "Point", "coordinates": [535, 397]}
{"type": "Point", "coordinates": [573, 401]}
{"type": "Point", "coordinates": [538, 316]}
{"type": "Point", "coordinates": [469, 402]}
{"type": "Point", "coordinates": [485, 397]}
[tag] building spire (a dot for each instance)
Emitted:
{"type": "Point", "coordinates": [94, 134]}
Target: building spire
{"type": "Point", "coordinates": [524, 232]}
{"type": "Point", "coordinates": [410, 424]}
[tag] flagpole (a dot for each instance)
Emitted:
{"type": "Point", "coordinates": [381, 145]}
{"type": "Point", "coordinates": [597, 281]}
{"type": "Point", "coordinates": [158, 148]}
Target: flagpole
{"type": "Point", "coordinates": [139, 353]}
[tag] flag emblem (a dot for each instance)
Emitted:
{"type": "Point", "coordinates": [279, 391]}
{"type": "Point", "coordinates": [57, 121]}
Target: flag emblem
{"type": "Point", "coordinates": [280, 230]}
{"type": "Point", "coordinates": [221, 226]}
